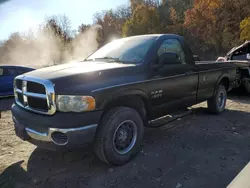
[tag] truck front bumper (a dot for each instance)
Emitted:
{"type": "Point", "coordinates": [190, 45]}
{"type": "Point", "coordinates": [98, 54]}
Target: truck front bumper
{"type": "Point", "coordinates": [58, 132]}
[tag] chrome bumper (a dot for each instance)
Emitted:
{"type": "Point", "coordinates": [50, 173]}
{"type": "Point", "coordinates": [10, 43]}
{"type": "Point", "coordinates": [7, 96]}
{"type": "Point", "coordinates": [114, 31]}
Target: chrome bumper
{"type": "Point", "coordinates": [79, 135]}
{"type": "Point", "coordinates": [46, 137]}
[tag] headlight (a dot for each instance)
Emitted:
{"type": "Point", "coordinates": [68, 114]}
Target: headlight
{"type": "Point", "coordinates": [69, 103]}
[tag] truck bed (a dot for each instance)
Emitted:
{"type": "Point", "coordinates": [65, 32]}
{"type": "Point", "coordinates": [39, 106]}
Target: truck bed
{"type": "Point", "coordinates": [242, 77]}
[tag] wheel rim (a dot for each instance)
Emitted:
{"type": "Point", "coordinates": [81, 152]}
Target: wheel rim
{"type": "Point", "coordinates": [221, 99]}
{"type": "Point", "coordinates": [125, 137]}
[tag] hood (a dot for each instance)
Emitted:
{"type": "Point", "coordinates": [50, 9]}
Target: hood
{"type": "Point", "coordinates": [75, 68]}
{"type": "Point", "coordinates": [83, 77]}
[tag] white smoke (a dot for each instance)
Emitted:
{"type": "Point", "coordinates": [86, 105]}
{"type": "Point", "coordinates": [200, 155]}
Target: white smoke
{"type": "Point", "coordinates": [42, 49]}
{"type": "Point", "coordinates": [85, 43]}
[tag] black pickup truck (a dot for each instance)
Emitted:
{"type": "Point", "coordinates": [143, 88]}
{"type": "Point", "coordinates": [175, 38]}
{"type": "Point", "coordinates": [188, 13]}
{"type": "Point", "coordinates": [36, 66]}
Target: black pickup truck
{"type": "Point", "coordinates": [110, 97]}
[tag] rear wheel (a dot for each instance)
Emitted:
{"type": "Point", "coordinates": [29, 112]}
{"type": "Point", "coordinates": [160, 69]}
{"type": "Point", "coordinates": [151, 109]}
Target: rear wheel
{"type": "Point", "coordinates": [119, 135]}
{"type": "Point", "coordinates": [217, 103]}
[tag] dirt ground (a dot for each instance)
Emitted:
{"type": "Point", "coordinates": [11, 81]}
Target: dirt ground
{"type": "Point", "coordinates": [199, 150]}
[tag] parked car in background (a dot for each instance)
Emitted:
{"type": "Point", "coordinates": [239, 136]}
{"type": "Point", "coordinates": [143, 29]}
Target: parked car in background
{"type": "Point", "coordinates": [241, 52]}
{"type": "Point", "coordinates": [7, 75]}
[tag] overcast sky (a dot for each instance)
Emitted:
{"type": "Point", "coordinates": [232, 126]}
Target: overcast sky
{"type": "Point", "coordinates": [20, 15]}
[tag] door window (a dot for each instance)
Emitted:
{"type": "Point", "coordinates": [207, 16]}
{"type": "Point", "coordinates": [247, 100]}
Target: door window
{"type": "Point", "coordinates": [11, 72]}
{"type": "Point", "coordinates": [172, 46]}
{"type": "Point", "coordinates": [19, 71]}
{"type": "Point", "coordinates": [1, 72]}
{"type": "Point", "coordinates": [241, 54]}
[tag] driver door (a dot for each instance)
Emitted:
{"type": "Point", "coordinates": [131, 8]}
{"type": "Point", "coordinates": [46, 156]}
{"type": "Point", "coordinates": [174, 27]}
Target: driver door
{"type": "Point", "coordinates": [176, 79]}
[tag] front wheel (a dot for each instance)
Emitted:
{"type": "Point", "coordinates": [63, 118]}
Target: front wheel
{"type": "Point", "coordinates": [217, 103]}
{"type": "Point", "coordinates": [119, 135]}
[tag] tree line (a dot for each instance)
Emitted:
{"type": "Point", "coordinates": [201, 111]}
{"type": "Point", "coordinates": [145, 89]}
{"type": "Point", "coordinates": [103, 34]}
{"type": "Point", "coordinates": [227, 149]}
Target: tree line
{"type": "Point", "coordinates": [211, 27]}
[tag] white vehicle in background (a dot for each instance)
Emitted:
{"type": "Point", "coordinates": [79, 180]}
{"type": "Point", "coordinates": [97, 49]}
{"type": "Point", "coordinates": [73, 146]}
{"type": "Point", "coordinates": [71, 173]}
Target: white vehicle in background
{"type": "Point", "coordinates": [241, 52]}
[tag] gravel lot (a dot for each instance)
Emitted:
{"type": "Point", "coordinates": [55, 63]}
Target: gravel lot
{"type": "Point", "coordinates": [199, 150]}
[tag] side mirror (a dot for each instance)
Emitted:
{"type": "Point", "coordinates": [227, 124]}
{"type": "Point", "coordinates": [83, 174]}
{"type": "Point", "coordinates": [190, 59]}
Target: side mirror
{"type": "Point", "coordinates": [169, 58]}
{"type": "Point", "coordinates": [196, 58]}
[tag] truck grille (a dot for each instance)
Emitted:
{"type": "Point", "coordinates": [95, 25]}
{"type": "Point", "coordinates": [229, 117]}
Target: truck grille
{"type": "Point", "coordinates": [35, 94]}
{"type": "Point", "coordinates": [36, 87]}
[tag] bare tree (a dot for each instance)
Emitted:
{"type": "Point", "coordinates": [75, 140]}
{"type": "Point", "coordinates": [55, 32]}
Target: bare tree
{"type": "Point", "coordinates": [83, 27]}
{"type": "Point", "coordinates": [60, 25]}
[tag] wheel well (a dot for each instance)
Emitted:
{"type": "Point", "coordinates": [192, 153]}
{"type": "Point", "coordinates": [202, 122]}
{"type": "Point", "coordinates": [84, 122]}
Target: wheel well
{"type": "Point", "coordinates": [225, 82]}
{"type": "Point", "coordinates": [135, 101]}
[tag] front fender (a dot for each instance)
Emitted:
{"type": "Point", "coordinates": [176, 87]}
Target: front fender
{"type": "Point", "coordinates": [127, 93]}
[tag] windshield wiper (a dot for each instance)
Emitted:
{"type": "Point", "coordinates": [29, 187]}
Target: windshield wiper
{"type": "Point", "coordinates": [106, 58]}
{"type": "Point", "coordinates": [113, 59]}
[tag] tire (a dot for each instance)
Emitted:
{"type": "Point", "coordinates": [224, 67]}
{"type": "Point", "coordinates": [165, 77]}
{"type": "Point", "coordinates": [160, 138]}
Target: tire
{"type": "Point", "coordinates": [110, 135]}
{"type": "Point", "coordinates": [217, 103]}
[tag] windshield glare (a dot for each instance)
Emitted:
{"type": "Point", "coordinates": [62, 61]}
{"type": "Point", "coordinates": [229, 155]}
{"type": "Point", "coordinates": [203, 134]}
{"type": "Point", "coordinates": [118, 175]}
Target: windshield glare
{"type": "Point", "coordinates": [130, 50]}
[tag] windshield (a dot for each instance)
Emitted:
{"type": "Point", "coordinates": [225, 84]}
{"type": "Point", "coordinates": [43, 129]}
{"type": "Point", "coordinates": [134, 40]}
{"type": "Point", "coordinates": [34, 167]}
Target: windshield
{"type": "Point", "coordinates": [126, 50]}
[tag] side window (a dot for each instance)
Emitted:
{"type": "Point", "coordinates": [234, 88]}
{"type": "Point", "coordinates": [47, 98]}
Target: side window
{"type": "Point", "coordinates": [1, 72]}
{"type": "Point", "coordinates": [11, 71]}
{"type": "Point", "coordinates": [173, 46]}
{"type": "Point", "coordinates": [19, 71]}
{"type": "Point", "coordinates": [239, 55]}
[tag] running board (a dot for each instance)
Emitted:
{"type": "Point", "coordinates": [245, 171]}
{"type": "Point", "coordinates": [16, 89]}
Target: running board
{"type": "Point", "coordinates": [168, 118]}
